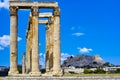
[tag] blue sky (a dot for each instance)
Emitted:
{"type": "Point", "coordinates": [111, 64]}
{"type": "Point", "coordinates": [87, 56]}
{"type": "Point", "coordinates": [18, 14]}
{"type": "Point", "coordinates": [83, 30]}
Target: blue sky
{"type": "Point", "coordinates": [87, 27]}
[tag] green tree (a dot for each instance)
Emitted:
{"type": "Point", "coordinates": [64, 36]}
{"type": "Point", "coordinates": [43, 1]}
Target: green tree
{"type": "Point", "coordinates": [99, 71]}
{"type": "Point", "coordinates": [20, 68]}
{"type": "Point", "coordinates": [71, 72]}
{"type": "Point", "coordinates": [118, 70]}
{"type": "Point", "coordinates": [107, 64]}
{"type": "Point", "coordinates": [88, 71]}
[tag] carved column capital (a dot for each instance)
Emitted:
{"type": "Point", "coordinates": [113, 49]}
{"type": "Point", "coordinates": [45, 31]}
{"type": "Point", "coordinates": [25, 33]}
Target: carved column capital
{"type": "Point", "coordinates": [56, 11]}
{"type": "Point", "coordinates": [35, 11]}
{"type": "Point", "coordinates": [13, 11]}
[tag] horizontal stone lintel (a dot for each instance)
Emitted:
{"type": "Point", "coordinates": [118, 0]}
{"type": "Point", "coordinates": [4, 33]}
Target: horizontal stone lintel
{"type": "Point", "coordinates": [43, 21]}
{"type": "Point", "coordinates": [29, 5]}
{"type": "Point", "coordinates": [45, 15]}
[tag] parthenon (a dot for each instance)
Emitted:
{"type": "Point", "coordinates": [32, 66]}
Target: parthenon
{"type": "Point", "coordinates": [31, 57]}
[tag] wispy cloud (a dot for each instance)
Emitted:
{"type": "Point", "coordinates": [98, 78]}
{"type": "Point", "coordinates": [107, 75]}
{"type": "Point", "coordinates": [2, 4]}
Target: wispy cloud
{"type": "Point", "coordinates": [4, 4]}
{"type": "Point", "coordinates": [72, 28]}
{"type": "Point", "coordinates": [85, 50]}
{"type": "Point", "coordinates": [5, 41]}
{"type": "Point", "coordinates": [1, 48]}
{"type": "Point", "coordinates": [64, 56]}
{"type": "Point", "coordinates": [42, 60]}
{"type": "Point", "coordinates": [39, 44]}
{"type": "Point", "coordinates": [19, 38]}
{"type": "Point", "coordinates": [78, 34]}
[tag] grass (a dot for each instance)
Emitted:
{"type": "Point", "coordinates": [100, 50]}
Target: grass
{"type": "Point", "coordinates": [1, 78]}
{"type": "Point", "coordinates": [90, 75]}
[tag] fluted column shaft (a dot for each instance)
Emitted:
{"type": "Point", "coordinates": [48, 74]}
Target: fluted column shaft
{"type": "Point", "coordinates": [35, 52]}
{"type": "Point", "coordinates": [28, 56]}
{"type": "Point", "coordinates": [51, 44]}
{"type": "Point", "coordinates": [56, 46]}
{"type": "Point", "coordinates": [47, 47]}
{"type": "Point", "coordinates": [29, 47]}
{"type": "Point", "coordinates": [13, 41]}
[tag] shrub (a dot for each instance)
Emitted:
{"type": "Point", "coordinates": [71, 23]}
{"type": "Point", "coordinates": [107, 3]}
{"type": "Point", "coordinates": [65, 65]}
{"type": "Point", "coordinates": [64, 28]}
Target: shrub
{"type": "Point", "coordinates": [99, 71]}
{"type": "Point", "coordinates": [71, 72]}
{"type": "Point", "coordinates": [87, 71]}
{"type": "Point", "coordinates": [118, 70]}
{"type": "Point", "coordinates": [20, 68]}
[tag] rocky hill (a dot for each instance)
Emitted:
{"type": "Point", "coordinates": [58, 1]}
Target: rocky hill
{"type": "Point", "coordinates": [82, 61]}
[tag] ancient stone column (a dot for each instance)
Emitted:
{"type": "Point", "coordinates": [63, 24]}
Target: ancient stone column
{"type": "Point", "coordinates": [28, 55]}
{"type": "Point", "coordinates": [51, 44]}
{"type": "Point", "coordinates": [29, 46]}
{"type": "Point", "coordinates": [47, 46]}
{"type": "Point", "coordinates": [13, 41]}
{"type": "Point", "coordinates": [35, 44]}
{"type": "Point", "coordinates": [56, 44]}
{"type": "Point", "coordinates": [23, 64]}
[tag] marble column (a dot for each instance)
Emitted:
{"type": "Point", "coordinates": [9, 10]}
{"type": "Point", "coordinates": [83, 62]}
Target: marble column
{"type": "Point", "coordinates": [51, 44]}
{"type": "Point", "coordinates": [47, 47]}
{"type": "Point", "coordinates": [56, 44]}
{"type": "Point", "coordinates": [28, 56]}
{"type": "Point", "coordinates": [35, 44]}
{"type": "Point", "coordinates": [13, 41]}
{"type": "Point", "coordinates": [29, 47]}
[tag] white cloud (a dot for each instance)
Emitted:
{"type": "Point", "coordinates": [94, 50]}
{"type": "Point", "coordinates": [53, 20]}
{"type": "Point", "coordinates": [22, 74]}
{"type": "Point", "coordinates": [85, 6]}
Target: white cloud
{"type": "Point", "coordinates": [19, 38]}
{"type": "Point", "coordinates": [78, 34]}
{"type": "Point", "coordinates": [1, 48]}
{"type": "Point", "coordinates": [4, 4]}
{"type": "Point", "coordinates": [42, 60]}
{"type": "Point", "coordinates": [39, 44]}
{"type": "Point", "coordinates": [64, 56]}
{"type": "Point", "coordinates": [5, 40]}
{"type": "Point", "coordinates": [41, 54]}
{"type": "Point", "coordinates": [85, 50]}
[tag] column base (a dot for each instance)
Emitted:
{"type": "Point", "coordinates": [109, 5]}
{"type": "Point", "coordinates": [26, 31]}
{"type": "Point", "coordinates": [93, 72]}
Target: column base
{"type": "Point", "coordinates": [47, 74]}
{"type": "Point", "coordinates": [34, 74]}
{"type": "Point", "coordinates": [56, 73]}
{"type": "Point", "coordinates": [13, 73]}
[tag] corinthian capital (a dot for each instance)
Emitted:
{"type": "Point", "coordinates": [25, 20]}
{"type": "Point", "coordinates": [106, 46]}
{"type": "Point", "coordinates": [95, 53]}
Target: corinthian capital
{"type": "Point", "coordinates": [13, 11]}
{"type": "Point", "coordinates": [56, 11]}
{"type": "Point", "coordinates": [35, 11]}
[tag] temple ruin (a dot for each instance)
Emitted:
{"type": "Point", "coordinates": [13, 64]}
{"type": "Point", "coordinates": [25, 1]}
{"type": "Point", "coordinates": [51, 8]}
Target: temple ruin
{"type": "Point", "coordinates": [30, 62]}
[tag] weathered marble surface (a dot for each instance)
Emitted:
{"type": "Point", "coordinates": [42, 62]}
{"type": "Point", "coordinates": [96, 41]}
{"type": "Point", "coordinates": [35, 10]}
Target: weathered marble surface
{"type": "Point", "coordinates": [64, 78]}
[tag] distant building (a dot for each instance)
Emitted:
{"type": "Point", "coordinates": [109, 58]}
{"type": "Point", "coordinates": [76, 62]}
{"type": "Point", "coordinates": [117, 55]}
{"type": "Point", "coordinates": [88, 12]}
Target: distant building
{"type": "Point", "coordinates": [72, 69]}
{"type": "Point", "coordinates": [108, 69]}
{"type": "Point", "coordinates": [2, 68]}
